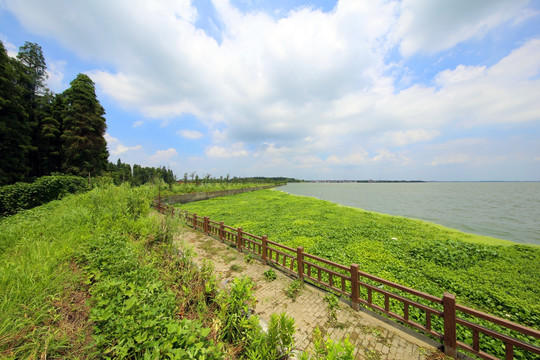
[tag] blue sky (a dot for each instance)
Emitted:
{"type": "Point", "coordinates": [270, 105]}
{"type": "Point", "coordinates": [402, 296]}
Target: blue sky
{"type": "Point", "coordinates": [354, 89]}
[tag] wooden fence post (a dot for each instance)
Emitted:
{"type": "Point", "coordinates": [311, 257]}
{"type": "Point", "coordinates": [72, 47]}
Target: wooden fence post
{"type": "Point", "coordinates": [195, 221]}
{"type": "Point", "coordinates": [221, 231]}
{"type": "Point", "coordinates": [355, 287]}
{"type": "Point", "coordinates": [206, 225]}
{"type": "Point", "coordinates": [449, 314]}
{"type": "Point", "coordinates": [300, 262]}
{"type": "Point", "coordinates": [239, 240]}
{"type": "Point", "coordinates": [264, 248]}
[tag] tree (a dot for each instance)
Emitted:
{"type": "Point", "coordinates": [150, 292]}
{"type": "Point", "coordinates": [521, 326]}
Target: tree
{"type": "Point", "coordinates": [83, 140]}
{"type": "Point", "coordinates": [50, 110]}
{"type": "Point", "coordinates": [15, 133]}
{"type": "Point", "coordinates": [32, 70]}
{"type": "Point", "coordinates": [31, 57]}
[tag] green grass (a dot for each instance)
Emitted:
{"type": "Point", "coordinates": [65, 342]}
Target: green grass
{"type": "Point", "coordinates": [96, 275]}
{"type": "Point", "coordinates": [37, 249]}
{"type": "Point", "coordinates": [498, 276]}
{"type": "Point", "coordinates": [178, 189]}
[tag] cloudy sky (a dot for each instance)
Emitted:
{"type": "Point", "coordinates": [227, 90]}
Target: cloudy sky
{"type": "Point", "coordinates": [313, 89]}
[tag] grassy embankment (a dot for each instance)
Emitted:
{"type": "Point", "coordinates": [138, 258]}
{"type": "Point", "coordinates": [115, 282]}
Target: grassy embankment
{"type": "Point", "coordinates": [97, 275]}
{"type": "Point", "coordinates": [494, 275]}
{"type": "Point", "coordinates": [178, 189]}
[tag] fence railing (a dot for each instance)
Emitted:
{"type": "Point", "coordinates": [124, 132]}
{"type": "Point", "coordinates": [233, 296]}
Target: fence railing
{"type": "Point", "coordinates": [430, 314]}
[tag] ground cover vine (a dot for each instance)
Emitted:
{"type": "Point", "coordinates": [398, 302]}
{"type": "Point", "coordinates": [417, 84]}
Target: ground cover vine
{"type": "Point", "coordinates": [421, 255]}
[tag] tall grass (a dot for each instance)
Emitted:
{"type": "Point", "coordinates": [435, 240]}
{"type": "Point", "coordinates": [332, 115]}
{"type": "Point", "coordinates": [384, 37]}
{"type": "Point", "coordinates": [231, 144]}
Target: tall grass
{"type": "Point", "coordinates": [36, 249]}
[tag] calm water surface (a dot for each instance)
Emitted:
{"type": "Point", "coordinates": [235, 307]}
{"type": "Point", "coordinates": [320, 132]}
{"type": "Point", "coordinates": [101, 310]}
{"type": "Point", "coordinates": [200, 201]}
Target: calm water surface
{"type": "Point", "coordinates": [505, 210]}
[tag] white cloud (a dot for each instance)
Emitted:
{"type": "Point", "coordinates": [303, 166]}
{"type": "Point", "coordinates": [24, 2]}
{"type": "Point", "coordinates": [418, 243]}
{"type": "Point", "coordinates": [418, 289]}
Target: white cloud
{"type": "Point", "coordinates": [163, 155]}
{"type": "Point", "coordinates": [190, 134]}
{"type": "Point", "coordinates": [358, 157]}
{"type": "Point", "coordinates": [116, 148]}
{"type": "Point", "coordinates": [295, 90]}
{"type": "Point", "coordinates": [458, 158]}
{"type": "Point", "coordinates": [55, 72]}
{"type": "Point", "coordinates": [401, 138]}
{"type": "Point", "coordinates": [431, 26]}
{"type": "Point", "coordinates": [234, 151]}
{"type": "Point", "coordinates": [11, 49]}
{"type": "Point", "coordinates": [460, 74]}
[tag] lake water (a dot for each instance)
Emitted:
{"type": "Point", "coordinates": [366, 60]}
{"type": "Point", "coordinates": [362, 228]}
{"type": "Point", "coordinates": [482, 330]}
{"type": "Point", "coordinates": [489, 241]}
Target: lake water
{"type": "Point", "coordinates": [505, 210]}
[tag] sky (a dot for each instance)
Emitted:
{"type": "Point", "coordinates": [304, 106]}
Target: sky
{"type": "Point", "coordinates": [351, 89]}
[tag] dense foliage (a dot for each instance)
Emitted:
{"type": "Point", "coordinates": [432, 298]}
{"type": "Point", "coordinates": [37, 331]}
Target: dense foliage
{"type": "Point", "coordinates": [97, 275]}
{"type": "Point", "coordinates": [502, 278]}
{"type": "Point", "coordinates": [83, 143]}
{"type": "Point", "coordinates": [22, 196]}
{"type": "Point", "coordinates": [42, 133]}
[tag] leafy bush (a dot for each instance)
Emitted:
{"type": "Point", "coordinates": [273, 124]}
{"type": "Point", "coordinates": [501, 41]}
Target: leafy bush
{"type": "Point", "coordinates": [277, 343]}
{"type": "Point", "coordinates": [329, 349]}
{"type": "Point", "coordinates": [133, 312]}
{"type": "Point", "coordinates": [23, 196]}
{"type": "Point", "coordinates": [236, 307]}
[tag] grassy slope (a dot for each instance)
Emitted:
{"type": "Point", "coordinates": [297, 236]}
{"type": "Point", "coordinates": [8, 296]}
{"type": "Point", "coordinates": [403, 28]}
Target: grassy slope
{"type": "Point", "coordinates": [491, 274]}
{"type": "Point", "coordinates": [37, 248]}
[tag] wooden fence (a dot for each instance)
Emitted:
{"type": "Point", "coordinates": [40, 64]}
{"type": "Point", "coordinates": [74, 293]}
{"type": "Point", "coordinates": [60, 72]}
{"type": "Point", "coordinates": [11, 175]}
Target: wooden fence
{"type": "Point", "coordinates": [442, 318]}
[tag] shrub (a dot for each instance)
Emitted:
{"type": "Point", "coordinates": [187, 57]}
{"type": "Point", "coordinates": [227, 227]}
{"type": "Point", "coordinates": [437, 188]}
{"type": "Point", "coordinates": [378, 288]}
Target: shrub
{"type": "Point", "coordinates": [277, 343]}
{"type": "Point", "coordinates": [133, 312]}
{"type": "Point", "coordinates": [236, 305]}
{"type": "Point", "coordinates": [23, 196]}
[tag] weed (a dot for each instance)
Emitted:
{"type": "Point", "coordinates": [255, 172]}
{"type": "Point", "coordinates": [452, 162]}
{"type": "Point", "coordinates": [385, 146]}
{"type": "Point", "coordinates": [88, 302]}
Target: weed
{"type": "Point", "coordinates": [277, 343]}
{"type": "Point", "coordinates": [236, 267]}
{"type": "Point", "coordinates": [294, 288]}
{"type": "Point", "coordinates": [329, 349]}
{"type": "Point", "coordinates": [248, 258]}
{"type": "Point", "coordinates": [229, 257]}
{"type": "Point", "coordinates": [332, 304]}
{"type": "Point", "coordinates": [372, 354]}
{"type": "Point", "coordinates": [235, 307]}
{"type": "Point", "coordinates": [209, 248]}
{"type": "Point", "coordinates": [270, 275]}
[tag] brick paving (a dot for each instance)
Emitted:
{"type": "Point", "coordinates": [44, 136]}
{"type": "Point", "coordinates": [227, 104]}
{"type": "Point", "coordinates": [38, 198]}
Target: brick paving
{"type": "Point", "coordinates": [373, 338]}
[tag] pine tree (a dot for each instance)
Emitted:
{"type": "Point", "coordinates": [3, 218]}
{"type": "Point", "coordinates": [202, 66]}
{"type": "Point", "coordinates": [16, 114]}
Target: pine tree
{"type": "Point", "coordinates": [15, 133]}
{"type": "Point", "coordinates": [32, 75]}
{"type": "Point", "coordinates": [49, 141]}
{"type": "Point", "coordinates": [83, 142]}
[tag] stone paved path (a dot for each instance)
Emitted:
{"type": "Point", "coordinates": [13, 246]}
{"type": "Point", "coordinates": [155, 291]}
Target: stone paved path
{"type": "Point", "coordinates": [373, 338]}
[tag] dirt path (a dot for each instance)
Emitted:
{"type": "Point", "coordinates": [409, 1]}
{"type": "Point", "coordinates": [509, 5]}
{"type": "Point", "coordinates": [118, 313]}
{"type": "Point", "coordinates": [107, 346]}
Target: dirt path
{"type": "Point", "coordinates": [373, 338]}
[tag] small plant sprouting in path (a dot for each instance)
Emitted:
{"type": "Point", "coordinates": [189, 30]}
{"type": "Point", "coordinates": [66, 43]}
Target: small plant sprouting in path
{"type": "Point", "coordinates": [372, 354]}
{"type": "Point", "coordinates": [328, 349]}
{"type": "Point", "coordinates": [270, 275]}
{"type": "Point", "coordinates": [332, 306]}
{"type": "Point", "coordinates": [294, 288]}
{"type": "Point", "coordinates": [248, 258]}
{"type": "Point", "coordinates": [236, 267]}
